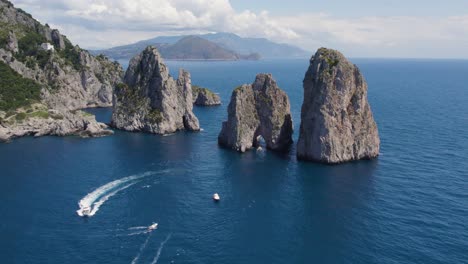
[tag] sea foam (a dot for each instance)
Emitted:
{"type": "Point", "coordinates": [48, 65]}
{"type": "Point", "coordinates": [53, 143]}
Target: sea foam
{"type": "Point", "coordinates": [98, 197]}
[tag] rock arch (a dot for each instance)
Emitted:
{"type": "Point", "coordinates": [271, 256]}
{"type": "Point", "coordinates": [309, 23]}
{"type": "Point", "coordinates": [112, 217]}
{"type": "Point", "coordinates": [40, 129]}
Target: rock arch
{"type": "Point", "coordinates": [259, 109]}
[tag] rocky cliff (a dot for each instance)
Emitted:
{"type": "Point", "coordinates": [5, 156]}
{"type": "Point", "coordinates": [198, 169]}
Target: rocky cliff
{"type": "Point", "coordinates": [337, 124]}
{"type": "Point", "coordinates": [151, 100]}
{"type": "Point", "coordinates": [204, 97]}
{"type": "Point", "coordinates": [68, 77]}
{"type": "Point", "coordinates": [258, 110]}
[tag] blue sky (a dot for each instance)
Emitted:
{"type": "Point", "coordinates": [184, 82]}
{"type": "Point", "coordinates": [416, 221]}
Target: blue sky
{"type": "Point", "coordinates": [397, 28]}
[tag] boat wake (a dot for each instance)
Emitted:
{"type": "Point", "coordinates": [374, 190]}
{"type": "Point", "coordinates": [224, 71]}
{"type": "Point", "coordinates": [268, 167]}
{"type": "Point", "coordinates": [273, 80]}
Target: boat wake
{"type": "Point", "coordinates": [156, 258]}
{"type": "Point", "coordinates": [138, 233]}
{"type": "Point", "coordinates": [91, 203]}
{"type": "Point", "coordinates": [142, 248]}
{"type": "Point", "coordinates": [137, 227]}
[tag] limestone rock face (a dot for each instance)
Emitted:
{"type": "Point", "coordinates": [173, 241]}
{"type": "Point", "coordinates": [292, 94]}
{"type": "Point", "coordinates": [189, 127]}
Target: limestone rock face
{"type": "Point", "coordinates": [57, 39]}
{"type": "Point", "coordinates": [70, 79]}
{"type": "Point", "coordinates": [85, 81]}
{"type": "Point", "coordinates": [337, 124]}
{"type": "Point", "coordinates": [12, 42]}
{"type": "Point", "coordinates": [67, 88]}
{"type": "Point", "coordinates": [204, 97]}
{"type": "Point", "coordinates": [151, 100]}
{"type": "Point", "coordinates": [260, 109]}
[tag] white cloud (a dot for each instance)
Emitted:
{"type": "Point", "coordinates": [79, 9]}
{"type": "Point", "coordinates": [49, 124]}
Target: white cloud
{"type": "Point", "coordinates": [104, 23]}
{"type": "Point", "coordinates": [399, 36]}
{"type": "Point", "coordinates": [156, 15]}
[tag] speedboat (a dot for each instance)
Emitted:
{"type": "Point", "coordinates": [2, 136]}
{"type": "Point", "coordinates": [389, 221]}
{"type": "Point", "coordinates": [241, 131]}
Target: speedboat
{"type": "Point", "coordinates": [216, 197]}
{"type": "Point", "coordinates": [85, 211]}
{"type": "Point", "coordinates": [153, 227]}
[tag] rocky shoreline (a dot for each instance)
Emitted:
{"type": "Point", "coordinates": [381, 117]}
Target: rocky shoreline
{"type": "Point", "coordinates": [53, 123]}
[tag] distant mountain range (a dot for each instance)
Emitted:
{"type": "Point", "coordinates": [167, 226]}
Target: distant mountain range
{"type": "Point", "coordinates": [216, 46]}
{"type": "Point", "coordinates": [197, 48]}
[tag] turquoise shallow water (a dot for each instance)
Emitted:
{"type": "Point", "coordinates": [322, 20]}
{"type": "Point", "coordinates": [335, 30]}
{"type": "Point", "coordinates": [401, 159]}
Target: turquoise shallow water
{"type": "Point", "coordinates": [408, 206]}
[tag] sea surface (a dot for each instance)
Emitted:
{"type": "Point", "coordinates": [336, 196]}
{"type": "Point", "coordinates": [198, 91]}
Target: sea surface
{"type": "Point", "coordinates": [408, 206]}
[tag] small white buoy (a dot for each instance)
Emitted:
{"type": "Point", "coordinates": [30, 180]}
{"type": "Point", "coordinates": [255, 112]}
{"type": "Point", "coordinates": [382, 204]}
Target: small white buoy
{"type": "Point", "coordinates": [216, 197]}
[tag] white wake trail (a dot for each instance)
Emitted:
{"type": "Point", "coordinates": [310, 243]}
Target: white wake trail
{"type": "Point", "coordinates": [106, 197]}
{"type": "Point", "coordinates": [142, 248]}
{"type": "Point", "coordinates": [156, 258]}
{"type": "Point", "coordinates": [98, 197]}
{"type": "Point", "coordinates": [137, 227]}
{"type": "Point", "coordinates": [138, 233]}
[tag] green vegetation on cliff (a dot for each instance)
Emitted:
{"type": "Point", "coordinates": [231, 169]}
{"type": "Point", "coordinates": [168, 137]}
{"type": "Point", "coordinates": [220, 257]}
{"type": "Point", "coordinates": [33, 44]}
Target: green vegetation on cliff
{"type": "Point", "coordinates": [16, 91]}
{"type": "Point", "coordinates": [29, 51]}
{"type": "Point", "coordinates": [71, 55]}
{"type": "Point", "coordinates": [133, 100]}
{"type": "Point", "coordinates": [155, 116]}
{"type": "Point", "coordinates": [29, 44]}
{"type": "Point", "coordinates": [198, 89]}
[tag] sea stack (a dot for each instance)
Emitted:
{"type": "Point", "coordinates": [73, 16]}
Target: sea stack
{"type": "Point", "coordinates": [337, 124]}
{"type": "Point", "coordinates": [204, 97]}
{"type": "Point", "coordinates": [150, 100]}
{"type": "Point", "coordinates": [258, 110]}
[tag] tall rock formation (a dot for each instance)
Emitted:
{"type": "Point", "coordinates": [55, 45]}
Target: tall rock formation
{"type": "Point", "coordinates": [151, 100]}
{"type": "Point", "coordinates": [336, 120]}
{"type": "Point", "coordinates": [57, 39]}
{"type": "Point", "coordinates": [259, 109]}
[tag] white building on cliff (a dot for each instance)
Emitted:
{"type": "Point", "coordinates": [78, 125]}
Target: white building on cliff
{"type": "Point", "coordinates": [47, 46]}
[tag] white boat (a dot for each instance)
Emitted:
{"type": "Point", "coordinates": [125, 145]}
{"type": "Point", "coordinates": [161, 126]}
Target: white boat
{"type": "Point", "coordinates": [216, 197]}
{"type": "Point", "coordinates": [84, 212]}
{"type": "Point", "coordinates": [153, 227]}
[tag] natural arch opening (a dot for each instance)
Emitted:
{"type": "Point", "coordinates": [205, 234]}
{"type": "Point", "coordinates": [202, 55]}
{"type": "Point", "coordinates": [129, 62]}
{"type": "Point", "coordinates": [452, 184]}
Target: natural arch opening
{"type": "Point", "coordinates": [259, 142]}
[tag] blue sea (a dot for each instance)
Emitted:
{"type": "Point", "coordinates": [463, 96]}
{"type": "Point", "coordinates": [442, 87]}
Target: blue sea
{"type": "Point", "coordinates": [408, 206]}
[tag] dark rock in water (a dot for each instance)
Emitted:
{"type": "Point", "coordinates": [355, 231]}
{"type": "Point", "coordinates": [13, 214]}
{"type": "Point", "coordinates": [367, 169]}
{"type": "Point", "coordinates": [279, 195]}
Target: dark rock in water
{"type": "Point", "coordinates": [337, 124]}
{"type": "Point", "coordinates": [151, 100]}
{"type": "Point", "coordinates": [261, 109]}
{"type": "Point", "coordinates": [204, 97]}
